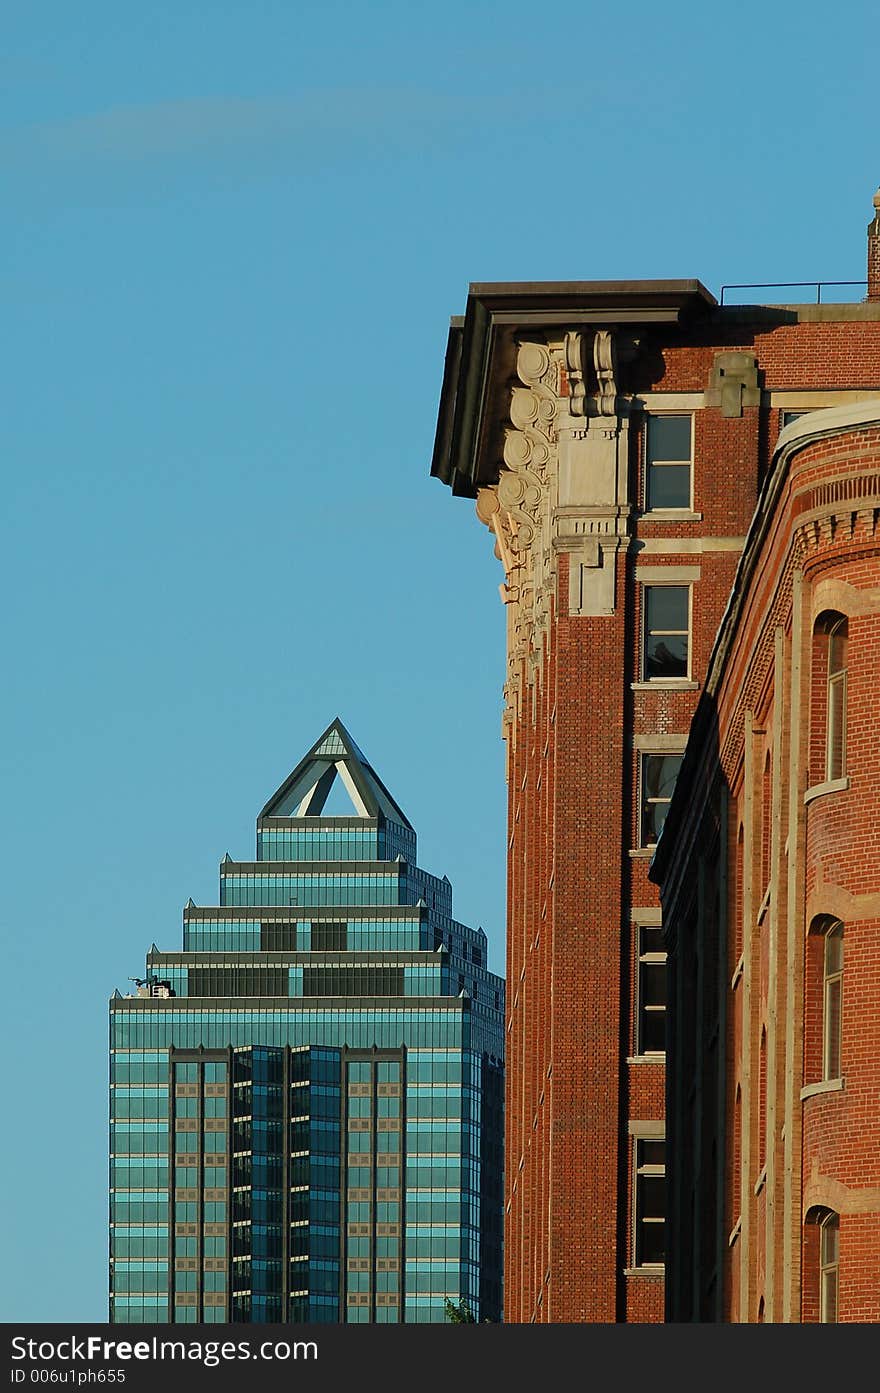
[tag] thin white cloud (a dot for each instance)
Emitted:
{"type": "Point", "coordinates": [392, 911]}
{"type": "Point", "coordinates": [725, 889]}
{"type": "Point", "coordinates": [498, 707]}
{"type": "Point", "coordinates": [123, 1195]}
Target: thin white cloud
{"type": "Point", "coordinates": [223, 126]}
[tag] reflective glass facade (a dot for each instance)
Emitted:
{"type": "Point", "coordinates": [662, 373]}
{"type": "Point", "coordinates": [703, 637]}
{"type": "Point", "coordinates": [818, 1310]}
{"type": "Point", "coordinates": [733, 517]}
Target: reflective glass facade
{"type": "Point", "coordinates": [306, 1101]}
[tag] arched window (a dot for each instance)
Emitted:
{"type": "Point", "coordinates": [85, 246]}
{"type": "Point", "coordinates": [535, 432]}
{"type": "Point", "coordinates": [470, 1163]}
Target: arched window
{"type": "Point", "coordinates": [821, 1262]}
{"type": "Point", "coordinates": [829, 1259]}
{"type": "Point", "coordinates": [832, 1001]}
{"type": "Point", "coordinates": [835, 743]}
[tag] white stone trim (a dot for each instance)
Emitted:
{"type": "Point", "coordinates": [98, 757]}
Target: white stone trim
{"type": "Point", "coordinates": [828, 421]}
{"type": "Point", "coordinates": [824, 1086]}
{"type": "Point", "coordinates": [830, 786]}
{"type": "Point", "coordinates": [660, 744]}
{"type": "Point", "coordinates": [667, 575]}
{"type": "Point", "coordinates": [677, 546]}
{"type": "Point", "coordinates": [652, 1131]}
{"type": "Point", "coordinates": [669, 515]}
{"type": "Point", "coordinates": [673, 402]}
{"type": "Point", "coordinates": [651, 916]}
{"type": "Point", "coordinates": [818, 401]}
{"type": "Point", "coordinates": [666, 684]}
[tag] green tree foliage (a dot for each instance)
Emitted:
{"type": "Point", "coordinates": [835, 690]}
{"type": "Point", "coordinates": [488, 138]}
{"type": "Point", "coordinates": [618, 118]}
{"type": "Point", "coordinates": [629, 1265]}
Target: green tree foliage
{"type": "Point", "coordinates": [460, 1314]}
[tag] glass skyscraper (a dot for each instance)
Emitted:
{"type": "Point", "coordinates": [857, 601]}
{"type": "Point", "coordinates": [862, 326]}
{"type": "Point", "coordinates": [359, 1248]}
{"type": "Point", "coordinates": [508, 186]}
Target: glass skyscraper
{"type": "Point", "coordinates": [306, 1102]}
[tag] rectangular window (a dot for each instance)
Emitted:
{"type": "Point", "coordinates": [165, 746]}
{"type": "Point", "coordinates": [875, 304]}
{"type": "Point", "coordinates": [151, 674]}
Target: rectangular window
{"type": "Point", "coordinates": [833, 993]}
{"type": "Point", "coordinates": [829, 1258]}
{"type": "Point", "coordinates": [650, 1201]}
{"type": "Point", "coordinates": [668, 461]}
{"type": "Point", "coordinates": [835, 744]}
{"type": "Point", "coordinates": [235, 981]}
{"type": "Point", "coordinates": [329, 938]}
{"type": "Point", "coordinates": [657, 780]}
{"type": "Point", "coordinates": [651, 1013]}
{"type": "Point", "coordinates": [341, 980]}
{"type": "Point", "coordinates": [666, 632]}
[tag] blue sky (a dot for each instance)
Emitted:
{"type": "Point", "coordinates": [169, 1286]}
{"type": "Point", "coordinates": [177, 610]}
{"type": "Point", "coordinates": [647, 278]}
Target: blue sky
{"type": "Point", "coordinates": [233, 234]}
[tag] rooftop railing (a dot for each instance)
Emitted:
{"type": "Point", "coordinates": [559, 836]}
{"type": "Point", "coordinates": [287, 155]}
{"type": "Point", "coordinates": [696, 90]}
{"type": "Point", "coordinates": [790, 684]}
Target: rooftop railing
{"type": "Point", "coordinates": [817, 286]}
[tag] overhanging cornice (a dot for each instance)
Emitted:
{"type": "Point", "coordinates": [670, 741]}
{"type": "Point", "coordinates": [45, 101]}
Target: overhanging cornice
{"type": "Point", "coordinates": [481, 350]}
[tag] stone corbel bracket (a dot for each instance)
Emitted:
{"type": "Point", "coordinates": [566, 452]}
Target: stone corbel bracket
{"type": "Point", "coordinates": [591, 518]}
{"type": "Point", "coordinates": [733, 383]}
{"type": "Point", "coordinates": [605, 364]}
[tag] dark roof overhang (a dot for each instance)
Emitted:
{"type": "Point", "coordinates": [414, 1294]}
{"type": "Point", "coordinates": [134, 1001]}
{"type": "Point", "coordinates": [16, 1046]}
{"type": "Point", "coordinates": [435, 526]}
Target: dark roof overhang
{"type": "Point", "coordinates": [481, 353]}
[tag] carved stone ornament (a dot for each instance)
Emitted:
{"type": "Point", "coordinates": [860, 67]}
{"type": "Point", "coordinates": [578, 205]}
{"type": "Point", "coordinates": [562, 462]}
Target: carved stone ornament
{"type": "Point", "coordinates": [521, 493]}
{"type": "Point", "coordinates": [606, 373]}
{"type": "Point", "coordinates": [561, 490]}
{"type": "Point", "coordinates": [518, 509]}
{"type": "Point", "coordinates": [574, 366]}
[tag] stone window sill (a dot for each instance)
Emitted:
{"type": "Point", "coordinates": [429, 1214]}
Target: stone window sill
{"type": "Point", "coordinates": [642, 853]}
{"type": "Point", "coordinates": [830, 786]}
{"type": "Point", "coordinates": [825, 1086]}
{"type": "Point", "coordinates": [646, 1058]}
{"type": "Point", "coordinates": [669, 684]}
{"type": "Point", "coordinates": [656, 1271]}
{"type": "Point", "coordinates": [670, 515]}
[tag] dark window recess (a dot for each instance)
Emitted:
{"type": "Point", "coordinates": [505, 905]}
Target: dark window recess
{"type": "Point", "coordinates": [668, 457]}
{"type": "Point", "coordinates": [238, 981]}
{"type": "Point", "coordinates": [666, 631]}
{"type": "Point", "coordinates": [267, 1241]}
{"type": "Point", "coordinates": [652, 990]}
{"type": "Point", "coordinates": [278, 938]}
{"type": "Point", "coordinates": [299, 1241]}
{"type": "Point", "coordinates": [650, 1202]}
{"type": "Point", "coordinates": [652, 1001]}
{"type": "Point", "coordinates": [653, 1201]}
{"type": "Point", "coordinates": [659, 773]}
{"type": "Point", "coordinates": [329, 938]}
{"type": "Point", "coordinates": [319, 1065]}
{"type": "Point", "coordinates": [352, 981]}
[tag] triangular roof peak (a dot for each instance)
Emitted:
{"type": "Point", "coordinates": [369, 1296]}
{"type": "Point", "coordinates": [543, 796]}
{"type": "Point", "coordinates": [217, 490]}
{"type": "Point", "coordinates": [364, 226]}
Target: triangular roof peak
{"type": "Point", "coordinates": [334, 755]}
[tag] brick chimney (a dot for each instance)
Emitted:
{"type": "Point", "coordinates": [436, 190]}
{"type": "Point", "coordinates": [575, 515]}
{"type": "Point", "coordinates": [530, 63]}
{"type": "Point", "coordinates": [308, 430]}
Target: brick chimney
{"type": "Point", "coordinates": [874, 252]}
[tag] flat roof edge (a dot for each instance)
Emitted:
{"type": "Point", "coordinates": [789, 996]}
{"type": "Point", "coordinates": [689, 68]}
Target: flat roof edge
{"type": "Point", "coordinates": [602, 289]}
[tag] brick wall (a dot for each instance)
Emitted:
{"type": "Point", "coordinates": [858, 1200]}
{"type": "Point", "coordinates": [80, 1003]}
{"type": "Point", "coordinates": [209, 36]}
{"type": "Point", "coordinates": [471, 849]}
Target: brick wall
{"type": "Point", "coordinates": [826, 527]}
{"type": "Point", "coordinates": [575, 875]}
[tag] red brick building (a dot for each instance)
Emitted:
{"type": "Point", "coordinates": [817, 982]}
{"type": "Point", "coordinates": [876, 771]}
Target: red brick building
{"type": "Point", "coordinates": [615, 436]}
{"type": "Point", "coordinates": [770, 871]}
